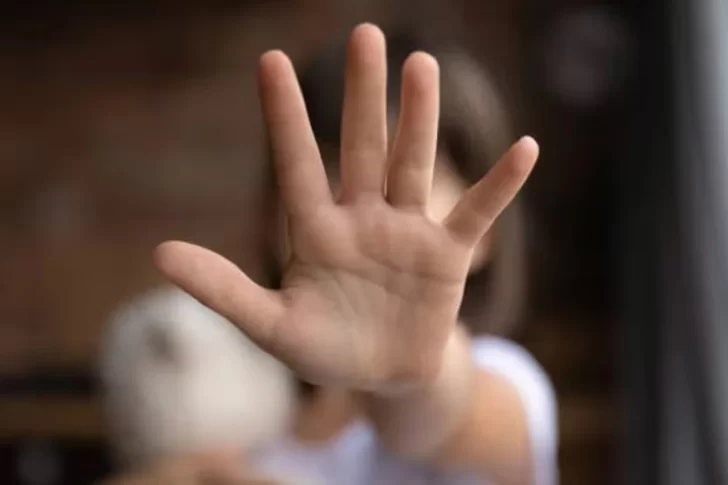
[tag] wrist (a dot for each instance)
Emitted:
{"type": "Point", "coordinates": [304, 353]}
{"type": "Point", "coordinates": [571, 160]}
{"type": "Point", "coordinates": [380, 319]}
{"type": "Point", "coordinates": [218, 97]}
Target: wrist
{"type": "Point", "coordinates": [434, 373]}
{"type": "Point", "coordinates": [415, 420]}
{"type": "Point", "coordinates": [452, 372]}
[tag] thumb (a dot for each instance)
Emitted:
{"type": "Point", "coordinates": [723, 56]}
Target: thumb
{"type": "Point", "coordinates": [217, 283]}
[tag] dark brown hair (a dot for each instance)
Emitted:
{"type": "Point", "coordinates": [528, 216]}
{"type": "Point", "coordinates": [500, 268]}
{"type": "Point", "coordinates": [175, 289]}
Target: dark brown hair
{"type": "Point", "coordinates": [474, 132]}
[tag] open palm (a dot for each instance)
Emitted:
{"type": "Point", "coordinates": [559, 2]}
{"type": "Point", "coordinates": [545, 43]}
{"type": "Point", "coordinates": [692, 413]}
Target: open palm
{"type": "Point", "coordinates": [371, 292]}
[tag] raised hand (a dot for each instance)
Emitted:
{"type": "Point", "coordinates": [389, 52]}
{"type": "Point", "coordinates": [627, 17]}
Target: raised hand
{"type": "Point", "coordinates": [371, 292]}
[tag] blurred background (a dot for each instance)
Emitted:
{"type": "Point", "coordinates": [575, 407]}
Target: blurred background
{"type": "Point", "coordinates": [122, 126]}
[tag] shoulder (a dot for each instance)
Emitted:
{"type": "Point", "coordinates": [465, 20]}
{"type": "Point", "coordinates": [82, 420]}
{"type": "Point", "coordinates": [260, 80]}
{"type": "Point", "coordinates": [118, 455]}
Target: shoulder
{"type": "Point", "coordinates": [536, 391]}
{"type": "Point", "coordinates": [515, 362]}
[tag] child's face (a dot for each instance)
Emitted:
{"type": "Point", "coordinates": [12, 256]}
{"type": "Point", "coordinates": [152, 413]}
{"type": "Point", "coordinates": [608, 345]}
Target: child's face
{"type": "Point", "coordinates": [447, 188]}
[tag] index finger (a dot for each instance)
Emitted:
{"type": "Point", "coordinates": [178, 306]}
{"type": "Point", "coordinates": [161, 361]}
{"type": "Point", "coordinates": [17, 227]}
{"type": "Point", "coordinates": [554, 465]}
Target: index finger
{"type": "Point", "coordinates": [300, 171]}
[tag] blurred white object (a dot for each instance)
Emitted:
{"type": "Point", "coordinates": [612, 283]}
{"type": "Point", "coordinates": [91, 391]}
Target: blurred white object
{"type": "Point", "coordinates": [179, 378]}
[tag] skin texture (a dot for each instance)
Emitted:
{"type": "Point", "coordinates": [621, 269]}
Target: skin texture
{"type": "Point", "coordinates": [373, 284]}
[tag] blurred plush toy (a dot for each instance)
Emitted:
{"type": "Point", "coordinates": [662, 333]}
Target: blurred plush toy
{"type": "Point", "coordinates": [180, 379]}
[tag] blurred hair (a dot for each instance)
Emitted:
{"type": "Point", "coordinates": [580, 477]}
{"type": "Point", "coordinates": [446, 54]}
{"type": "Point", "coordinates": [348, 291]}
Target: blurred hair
{"type": "Point", "coordinates": [474, 131]}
